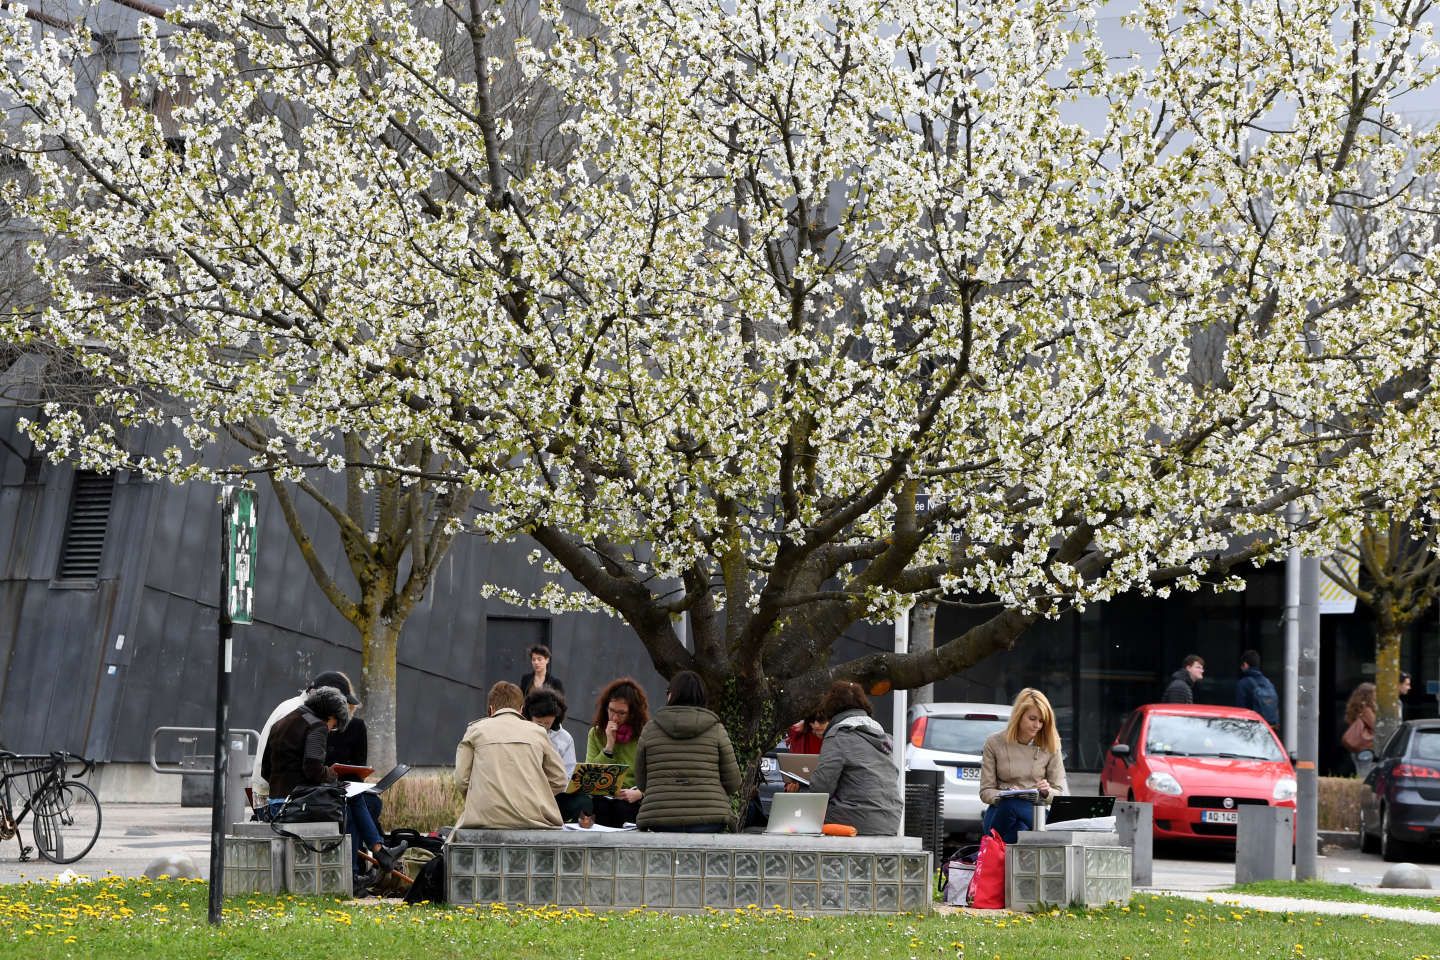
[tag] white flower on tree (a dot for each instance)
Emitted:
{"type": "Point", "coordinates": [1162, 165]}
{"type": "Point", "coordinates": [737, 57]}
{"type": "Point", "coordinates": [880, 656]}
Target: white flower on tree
{"type": "Point", "coordinates": [775, 314]}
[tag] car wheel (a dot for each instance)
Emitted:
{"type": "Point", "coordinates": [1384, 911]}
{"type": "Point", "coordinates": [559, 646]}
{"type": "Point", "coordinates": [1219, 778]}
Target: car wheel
{"type": "Point", "coordinates": [1367, 844]}
{"type": "Point", "coordinates": [1391, 850]}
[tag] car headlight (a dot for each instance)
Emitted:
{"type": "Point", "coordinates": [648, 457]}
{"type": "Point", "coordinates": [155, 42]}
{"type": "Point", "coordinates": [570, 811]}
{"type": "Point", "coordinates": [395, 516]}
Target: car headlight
{"type": "Point", "coordinates": [1284, 789]}
{"type": "Point", "coordinates": [1163, 783]}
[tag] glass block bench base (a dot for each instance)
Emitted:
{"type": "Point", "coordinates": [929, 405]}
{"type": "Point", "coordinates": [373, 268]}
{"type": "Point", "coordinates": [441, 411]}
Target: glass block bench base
{"type": "Point", "coordinates": [688, 872]}
{"type": "Point", "coordinates": [257, 860]}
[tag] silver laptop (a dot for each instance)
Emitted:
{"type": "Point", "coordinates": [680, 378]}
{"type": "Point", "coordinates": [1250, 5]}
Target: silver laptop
{"type": "Point", "coordinates": [798, 813]}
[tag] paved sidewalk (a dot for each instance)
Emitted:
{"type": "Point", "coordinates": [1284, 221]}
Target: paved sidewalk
{"type": "Point", "coordinates": [131, 836]}
{"type": "Point", "coordinates": [1296, 905]}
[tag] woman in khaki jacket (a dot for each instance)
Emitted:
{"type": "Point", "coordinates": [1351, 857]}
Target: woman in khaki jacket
{"type": "Point", "coordinates": [1023, 756]}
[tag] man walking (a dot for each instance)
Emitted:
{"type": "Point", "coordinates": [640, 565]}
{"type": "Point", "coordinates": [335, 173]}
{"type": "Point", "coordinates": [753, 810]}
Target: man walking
{"type": "Point", "coordinates": [1254, 691]}
{"type": "Point", "coordinates": [1183, 681]}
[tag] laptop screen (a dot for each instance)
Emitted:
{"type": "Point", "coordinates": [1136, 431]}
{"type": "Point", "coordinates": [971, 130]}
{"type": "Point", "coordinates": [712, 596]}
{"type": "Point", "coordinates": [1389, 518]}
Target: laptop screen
{"type": "Point", "coordinates": [1079, 808]}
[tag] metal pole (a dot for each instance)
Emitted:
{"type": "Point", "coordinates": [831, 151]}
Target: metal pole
{"type": "Point", "coordinates": [1307, 778]}
{"type": "Point", "coordinates": [222, 721]}
{"type": "Point", "coordinates": [1291, 678]}
{"type": "Point", "coordinates": [898, 699]}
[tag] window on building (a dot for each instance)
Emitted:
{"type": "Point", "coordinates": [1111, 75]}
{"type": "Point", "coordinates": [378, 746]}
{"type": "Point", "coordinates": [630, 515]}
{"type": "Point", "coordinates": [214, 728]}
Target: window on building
{"type": "Point", "coordinates": [85, 526]}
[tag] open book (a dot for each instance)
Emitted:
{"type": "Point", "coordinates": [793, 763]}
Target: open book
{"type": "Point", "coordinates": [1030, 794]}
{"type": "Point", "coordinates": [597, 778]}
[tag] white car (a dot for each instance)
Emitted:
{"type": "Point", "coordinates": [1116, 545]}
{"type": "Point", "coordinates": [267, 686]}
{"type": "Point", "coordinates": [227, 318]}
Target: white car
{"type": "Point", "coordinates": [950, 737]}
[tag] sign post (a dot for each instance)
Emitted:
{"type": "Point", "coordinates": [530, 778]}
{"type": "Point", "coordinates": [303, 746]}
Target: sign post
{"type": "Point", "coordinates": [237, 595]}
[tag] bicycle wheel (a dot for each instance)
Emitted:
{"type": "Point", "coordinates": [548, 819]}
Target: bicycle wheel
{"type": "Point", "coordinates": [67, 821]}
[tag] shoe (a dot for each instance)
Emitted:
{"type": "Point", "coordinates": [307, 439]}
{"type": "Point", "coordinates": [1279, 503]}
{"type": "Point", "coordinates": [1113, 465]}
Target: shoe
{"type": "Point", "coordinates": [364, 881]}
{"type": "Point", "coordinates": [387, 856]}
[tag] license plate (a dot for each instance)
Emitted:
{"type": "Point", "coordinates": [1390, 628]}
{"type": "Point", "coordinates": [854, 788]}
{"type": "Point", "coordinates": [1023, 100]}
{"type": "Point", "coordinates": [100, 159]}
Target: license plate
{"type": "Point", "coordinates": [1220, 816]}
{"type": "Point", "coordinates": [967, 773]}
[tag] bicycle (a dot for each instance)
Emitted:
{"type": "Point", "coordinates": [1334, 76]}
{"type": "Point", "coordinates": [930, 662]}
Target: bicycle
{"type": "Point", "coordinates": [66, 812]}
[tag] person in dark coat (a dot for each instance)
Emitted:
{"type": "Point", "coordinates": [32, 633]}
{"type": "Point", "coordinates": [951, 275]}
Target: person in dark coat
{"type": "Point", "coordinates": [685, 765]}
{"type": "Point", "coordinates": [857, 765]}
{"type": "Point", "coordinates": [295, 757]}
{"type": "Point", "coordinates": [540, 675]}
{"type": "Point", "coordinates": [1254, 691]}
{"type": "Point", "coordinates": [1183, 681]}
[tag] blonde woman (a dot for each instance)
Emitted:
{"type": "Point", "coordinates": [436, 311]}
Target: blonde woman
{"type": "Point", "coordinates": [1023, 756]}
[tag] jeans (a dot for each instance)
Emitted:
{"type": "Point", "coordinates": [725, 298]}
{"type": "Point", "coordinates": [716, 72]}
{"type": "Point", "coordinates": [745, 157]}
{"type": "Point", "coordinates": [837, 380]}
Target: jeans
{"type": "Point", "coordinates": [362, 810]}
{"type": "Point", "coordinates": [614, 812]}
{"type": "Point", "coordinates": [1008, 816]}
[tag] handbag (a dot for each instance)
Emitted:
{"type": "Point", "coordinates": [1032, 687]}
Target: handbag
{"type": "Point", "coordinates": [313, 803]}
{"type": "Point", "coordinates": [987, 886]}
{"type": "Point", "coordinates": [1354, 738]}
{"type": "Point", "coordinates": [956, 875]}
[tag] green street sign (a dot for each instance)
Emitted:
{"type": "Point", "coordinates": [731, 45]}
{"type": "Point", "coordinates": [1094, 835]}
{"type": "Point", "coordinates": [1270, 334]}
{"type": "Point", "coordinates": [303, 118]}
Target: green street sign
{"type": "Point", "coordinates": [239, 551]}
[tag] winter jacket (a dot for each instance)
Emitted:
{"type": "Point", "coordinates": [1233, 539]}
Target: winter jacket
{"type": "Point", "coordinates": [1181, 690]}
{"type": "Point", "coordinates": [857, 768]}
{"type": "Point", "coordinates": [509, 773]}
{"type": "Point", "coordinates": [686, 767]}
{"type": "Point", "coordinates": [1018, 766]}
{"type": "Point", "coordinates": [1254, 691]}
{"type": "Point", "coordinates": [295, 753]}
{"type": "Point", "coordinates": [624, 753]}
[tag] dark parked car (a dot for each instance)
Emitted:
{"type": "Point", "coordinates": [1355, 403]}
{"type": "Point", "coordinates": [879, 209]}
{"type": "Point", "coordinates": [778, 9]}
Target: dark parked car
{"type": "Point", "coordinates": [1402, 810]}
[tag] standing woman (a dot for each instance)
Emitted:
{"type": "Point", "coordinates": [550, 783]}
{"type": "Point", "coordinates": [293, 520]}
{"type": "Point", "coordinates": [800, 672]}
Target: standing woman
{"type": "Point", "coordinates": [620, 717]}
{"type": "Point", "coordinates": [685, 765]}
{"type": "Point", "coordinates": [1359, 735]}
{"type": "Point", "coordinates": [1023, 756]}
{"type": "Point", "coordinates": [539, 675]}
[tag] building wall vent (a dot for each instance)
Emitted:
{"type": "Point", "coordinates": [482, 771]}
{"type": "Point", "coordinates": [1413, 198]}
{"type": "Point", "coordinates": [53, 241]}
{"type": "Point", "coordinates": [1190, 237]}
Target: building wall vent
{"type": "Point", "coordinates": [86, 525]}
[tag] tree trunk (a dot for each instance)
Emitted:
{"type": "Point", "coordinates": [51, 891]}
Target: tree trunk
{"type": "Point", "coordinates": [1388, 635]}
{"type": "Point", "coordinates": [922, 640]}
{"type": "Point", "coordinates": [753, 727]}
{"type": "Point", "coordinates": [378, 645]}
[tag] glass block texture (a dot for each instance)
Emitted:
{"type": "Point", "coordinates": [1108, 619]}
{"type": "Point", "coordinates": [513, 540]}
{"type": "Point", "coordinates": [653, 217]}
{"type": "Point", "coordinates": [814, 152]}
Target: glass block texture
{"type": "Point", "coordinates": [688, 879]}
{"type": "Point", "coordinates": [249, 867]}
{"type": "Point", "coordinates": [326, 870]}
{"type": "Point", "coordinates": [1062, 875]}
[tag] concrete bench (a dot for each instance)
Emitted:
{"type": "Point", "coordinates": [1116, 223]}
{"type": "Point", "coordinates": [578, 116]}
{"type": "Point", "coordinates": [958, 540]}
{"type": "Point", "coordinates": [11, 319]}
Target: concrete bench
{"type": "Point", "coordinates": [684, 872]}
{"type": "Point", "coordinates": [258, 860]}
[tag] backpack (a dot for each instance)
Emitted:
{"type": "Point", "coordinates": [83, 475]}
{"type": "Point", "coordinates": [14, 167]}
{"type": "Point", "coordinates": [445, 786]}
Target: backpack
{"type": "Point", "coordinates": [1267, 701]}
{"type": "Point", "coordinates": [429, 882]}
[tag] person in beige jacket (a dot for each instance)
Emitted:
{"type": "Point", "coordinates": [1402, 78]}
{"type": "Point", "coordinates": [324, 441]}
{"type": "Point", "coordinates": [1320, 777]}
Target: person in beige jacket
{"type": "Point", "coordinates": [508, 768]}
{"type": "Point", "coordinates": [1023, 756]}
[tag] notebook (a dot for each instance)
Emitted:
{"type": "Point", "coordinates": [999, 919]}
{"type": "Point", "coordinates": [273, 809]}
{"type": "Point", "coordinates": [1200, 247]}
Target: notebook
{"type": "Point", "coordinates": [1064, 808]}
{"type": "Point", "coordinates": [353, 788]}
{"type": "Point", "coordinates": [596, 778]}
{"type": "Point", "coordinates": [797, 766]}
{"type": "Point", "coordinates": [798, 813]}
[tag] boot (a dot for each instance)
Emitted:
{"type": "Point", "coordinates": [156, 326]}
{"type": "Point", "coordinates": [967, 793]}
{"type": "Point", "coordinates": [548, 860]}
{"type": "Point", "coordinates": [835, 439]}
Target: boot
{"type": "Point", "coordinates": [387, 857]}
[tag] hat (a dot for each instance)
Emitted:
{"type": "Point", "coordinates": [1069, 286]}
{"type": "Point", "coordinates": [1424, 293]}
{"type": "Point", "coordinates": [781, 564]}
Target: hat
{"type": "Point", "coordinates": [336, 679]}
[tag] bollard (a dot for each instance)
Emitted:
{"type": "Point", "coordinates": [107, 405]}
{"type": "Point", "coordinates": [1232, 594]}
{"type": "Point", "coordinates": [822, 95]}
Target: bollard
{"type": "Point", "coordinates": [1135, 822]}
{"type": "Point", "coordinates": [237, 774]}
{"type": "Point", "coordinates": [1264, 843]}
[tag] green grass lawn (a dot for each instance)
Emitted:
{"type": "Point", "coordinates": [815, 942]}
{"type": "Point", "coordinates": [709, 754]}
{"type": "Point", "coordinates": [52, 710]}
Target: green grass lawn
{"type": "Point", "coordinates": [137, 918]}
{"type": "Point", "coordinates": [1318, 890]}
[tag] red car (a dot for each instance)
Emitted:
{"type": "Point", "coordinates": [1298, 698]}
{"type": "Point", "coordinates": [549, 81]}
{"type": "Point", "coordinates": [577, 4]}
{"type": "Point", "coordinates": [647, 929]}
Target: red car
{"type": "Point", "coordinates": [1197, 764]}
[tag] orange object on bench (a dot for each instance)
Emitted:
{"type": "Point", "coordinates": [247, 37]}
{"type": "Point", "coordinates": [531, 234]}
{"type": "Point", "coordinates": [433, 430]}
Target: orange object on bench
{"type": "Point", "coordinates": [838, 830]}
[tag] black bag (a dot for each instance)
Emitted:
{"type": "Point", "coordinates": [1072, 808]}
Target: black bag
{"type": "Point", "coordinates": [317, 803]}
{"type": "Point", "coordinates": [429, 882]}
{"type": "Point", "coordinates": [416, 839]}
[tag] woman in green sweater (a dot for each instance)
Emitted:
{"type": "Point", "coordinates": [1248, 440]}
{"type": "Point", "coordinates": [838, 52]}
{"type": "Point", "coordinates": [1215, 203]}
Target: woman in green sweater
{"type": "Point", "coordinates": [685, 765]}
{"type": "Point", "coordinates": [620, 715]}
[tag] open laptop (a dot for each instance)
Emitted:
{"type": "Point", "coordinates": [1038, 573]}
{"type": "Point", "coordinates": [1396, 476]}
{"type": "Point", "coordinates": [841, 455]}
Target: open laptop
{"type": "Point", "coordinates": [797, 766]}
{"type": "Point", "coordinates": [798, 813]}
{"type": "Point", "coordinates": [1064, 808]}
{"type": "Point", "coordinates": [353, 788]}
